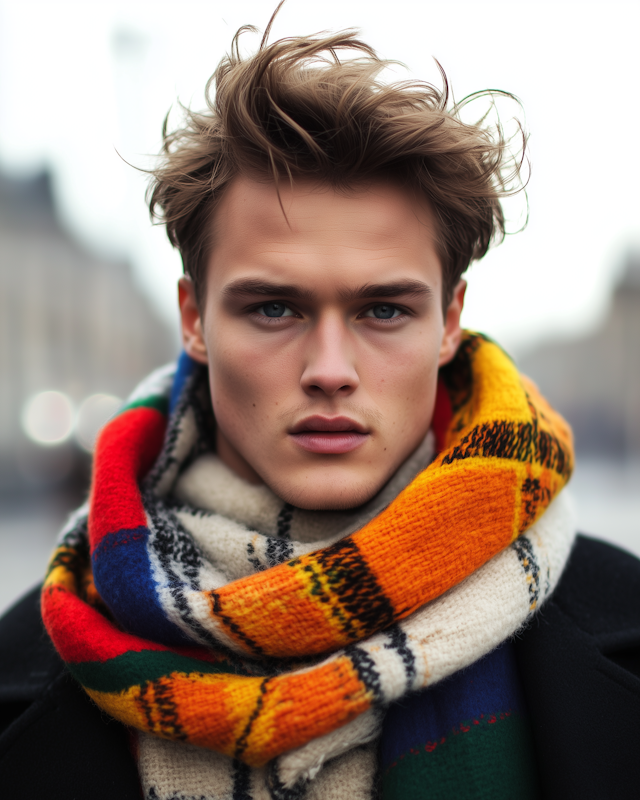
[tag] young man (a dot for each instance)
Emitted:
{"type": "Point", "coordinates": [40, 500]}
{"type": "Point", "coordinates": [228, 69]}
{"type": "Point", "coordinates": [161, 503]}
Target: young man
{"type": "Point", "coordinates": [309, 548]}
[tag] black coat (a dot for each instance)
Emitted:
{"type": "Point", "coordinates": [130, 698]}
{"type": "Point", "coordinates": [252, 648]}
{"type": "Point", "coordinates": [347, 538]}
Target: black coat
{"type": "Point", "coordinates": [579, 661]}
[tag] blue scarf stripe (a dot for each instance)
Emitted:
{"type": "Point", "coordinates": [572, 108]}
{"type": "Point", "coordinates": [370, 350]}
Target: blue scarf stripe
{"type": "Point", "coordinates": [489, 687]}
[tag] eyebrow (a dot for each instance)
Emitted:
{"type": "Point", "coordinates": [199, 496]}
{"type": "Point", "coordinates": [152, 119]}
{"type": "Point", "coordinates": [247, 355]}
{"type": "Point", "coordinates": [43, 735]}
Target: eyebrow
{"type": "Point", "coordinates": [253, 286]}
{"type": "Point", "coordinates": [368, 291]}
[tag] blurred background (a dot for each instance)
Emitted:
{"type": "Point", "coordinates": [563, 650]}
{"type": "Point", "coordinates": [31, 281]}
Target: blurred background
{"type": "Point", "coordinates": [87, 285]}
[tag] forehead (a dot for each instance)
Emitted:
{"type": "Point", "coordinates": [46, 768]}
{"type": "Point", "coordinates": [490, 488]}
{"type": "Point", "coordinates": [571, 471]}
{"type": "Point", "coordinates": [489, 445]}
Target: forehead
{"type": "Point", "coordinates": [319, 230]}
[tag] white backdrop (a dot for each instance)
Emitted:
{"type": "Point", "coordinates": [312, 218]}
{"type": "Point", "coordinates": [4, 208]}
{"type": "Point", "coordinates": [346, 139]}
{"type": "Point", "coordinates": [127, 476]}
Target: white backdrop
{"type": "Point", "coordinates": [82, 81]}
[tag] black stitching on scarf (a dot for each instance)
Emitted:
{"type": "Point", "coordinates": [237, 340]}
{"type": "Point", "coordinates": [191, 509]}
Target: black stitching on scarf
{"type": "Point", "coordinates": [168, 710]}
{"type": "Point", "coordinates": [399, 644]}
{"type": "Point", "coordinates": [233, 626]}
{"type": "Point", "coordinates": [526, 556]}
{"type": "Point", "coordinates": [172, 543]}
{"type": "Point", "coordinates": [168, 533]}
{"type": "Point", "coordinates": [519, 441]}
{"type": "Point", "coordinates": [253, 560]}
{"type": "Point", "coordinates": [284, 521]}
{"type": "Point", "coordinates": [241, 744]}
{"type": "Point", "coordinates": [533, 494]}
{"type": "Point", "coordinates": [166, 458]}
{"type": "Point", "coordinates": [75, 559]}
{"type": "Point", "coordinates": [146, 705]}
{"type": "Point", "coordinates": [366, 669]}
{"type": "Point", "coordinates": [166, 536]}
{"type": "Point", "coordinates": [165, 706]}
{"type": "Point", "coordinates": [278, 551]}
{"type": "Point", "coordinates": [277, 789]}
{"type": "Point", "coordinates": [355, 587]}
{"type": "Point", "coordinates": [241, 781]}
{"type": "Point", "coordinates": [163, 537]}
{"type": "Point", "coordinates": [191, 397]}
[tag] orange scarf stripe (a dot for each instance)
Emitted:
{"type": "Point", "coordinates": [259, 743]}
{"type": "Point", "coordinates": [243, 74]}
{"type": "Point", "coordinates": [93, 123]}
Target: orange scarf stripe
{"type": "Point", "coordinates": [252, 718]}
{"type": "Point", "coordinates": [416, 529]}
{"type": "Point", "coordinates": [385, 544]}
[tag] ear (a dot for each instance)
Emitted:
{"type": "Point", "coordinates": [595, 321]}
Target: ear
{"type": "Point", "coordinates": [452, 333]}
{"type": "Point", "coordinates": [190, 321]}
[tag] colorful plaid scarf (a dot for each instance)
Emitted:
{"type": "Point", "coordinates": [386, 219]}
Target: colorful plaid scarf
{"type": "Point", "coordinates": [161, 641]}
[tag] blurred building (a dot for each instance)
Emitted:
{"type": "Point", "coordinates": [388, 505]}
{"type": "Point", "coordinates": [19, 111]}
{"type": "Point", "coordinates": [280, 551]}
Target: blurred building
{"type": "Point", "coordinates": [595, 381]}
{"type": "Point", "coordinates": [70, 323]}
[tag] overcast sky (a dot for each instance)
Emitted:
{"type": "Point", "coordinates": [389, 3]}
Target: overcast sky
{"type": "Point", "coordinates": [80, 81]}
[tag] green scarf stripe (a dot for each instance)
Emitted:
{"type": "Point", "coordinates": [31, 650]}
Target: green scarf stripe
{"type": "Point", "coordinates": [158, 401]}
{"type": "Point", "coordinates": [135, 669]}
{"type": "Point", "coordinates": [486, 762]}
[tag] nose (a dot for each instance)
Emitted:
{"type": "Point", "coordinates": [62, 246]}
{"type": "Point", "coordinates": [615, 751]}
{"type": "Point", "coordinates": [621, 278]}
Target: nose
{"type": "Point", "coordinates": [330, 367]}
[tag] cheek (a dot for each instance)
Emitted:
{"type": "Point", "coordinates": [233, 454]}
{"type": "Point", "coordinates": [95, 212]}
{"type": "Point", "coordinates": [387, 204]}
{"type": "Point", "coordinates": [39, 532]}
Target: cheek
{"type": "Point", "coordinates": [234, 380]}
{"type": "Point", "coordinates": [247, 382]}
{"type": "Point", "coordinates": [405, 383]}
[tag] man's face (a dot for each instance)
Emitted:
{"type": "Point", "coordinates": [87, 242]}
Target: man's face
{"type": "Point", "coordinates": [323, 332]}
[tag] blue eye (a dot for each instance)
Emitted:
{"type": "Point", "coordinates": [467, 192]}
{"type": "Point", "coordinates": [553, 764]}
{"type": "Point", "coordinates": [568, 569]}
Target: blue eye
{"type": "Point", "coordinates": [275, 310]}
{"type": "Point", "coordinates": [383, 311]}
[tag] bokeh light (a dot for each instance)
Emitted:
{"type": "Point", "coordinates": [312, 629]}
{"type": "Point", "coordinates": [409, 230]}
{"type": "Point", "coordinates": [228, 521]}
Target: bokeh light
{"type": "Point", "coordinates": [93, 413]}
{"type": "Point", "coordinates": [48, 418]}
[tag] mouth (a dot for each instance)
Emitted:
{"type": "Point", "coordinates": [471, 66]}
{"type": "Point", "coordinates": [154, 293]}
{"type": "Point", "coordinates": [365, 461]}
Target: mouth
{"type": "Point", "coordinates": [329, 435]}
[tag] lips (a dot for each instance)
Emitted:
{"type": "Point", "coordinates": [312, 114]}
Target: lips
{"type": "Point", "coordinates": [328, 425]}
{"type": "Point", "coordinates": [329, 435]}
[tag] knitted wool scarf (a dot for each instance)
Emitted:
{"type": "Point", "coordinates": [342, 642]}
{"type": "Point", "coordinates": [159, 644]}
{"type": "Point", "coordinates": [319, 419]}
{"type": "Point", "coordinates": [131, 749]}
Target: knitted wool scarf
{"type": "Point", "coordinates": [285, 663]}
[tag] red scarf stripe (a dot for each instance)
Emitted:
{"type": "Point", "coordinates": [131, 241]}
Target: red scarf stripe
{"type": "Point", "coordinates": [442, 414]}
{"type": "Point", "coordinates": [82, 633]}
{"type": "Point", "coordinates": [126, 449]}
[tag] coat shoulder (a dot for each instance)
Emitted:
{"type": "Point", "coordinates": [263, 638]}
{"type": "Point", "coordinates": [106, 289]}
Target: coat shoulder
{"type": "Point", "coordinates": [54, 742]}
{"type": "Point", "coordinates": [28, 660]}
{"type": "Point", "coordinates": [579, 660]}
{"type": "Point", "coordinates": [600, 591]}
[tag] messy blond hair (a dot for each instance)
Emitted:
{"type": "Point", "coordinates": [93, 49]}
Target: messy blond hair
{"type": "Point", "coordinates": [296, 109]}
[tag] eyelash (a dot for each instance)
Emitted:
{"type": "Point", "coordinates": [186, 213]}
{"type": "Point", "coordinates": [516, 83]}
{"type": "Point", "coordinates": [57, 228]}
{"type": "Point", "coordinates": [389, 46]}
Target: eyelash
{"type": "Point", "coordinates": [389, 321]}
{"type": "Point", "coordinates": [276, 320]}
{"type": "Point", "coordinates": [271, 320]}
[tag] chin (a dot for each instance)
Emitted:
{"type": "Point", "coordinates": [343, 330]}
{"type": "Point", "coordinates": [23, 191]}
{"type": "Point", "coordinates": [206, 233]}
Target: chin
{"type": "Point", "coordinates": [329, 495]}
